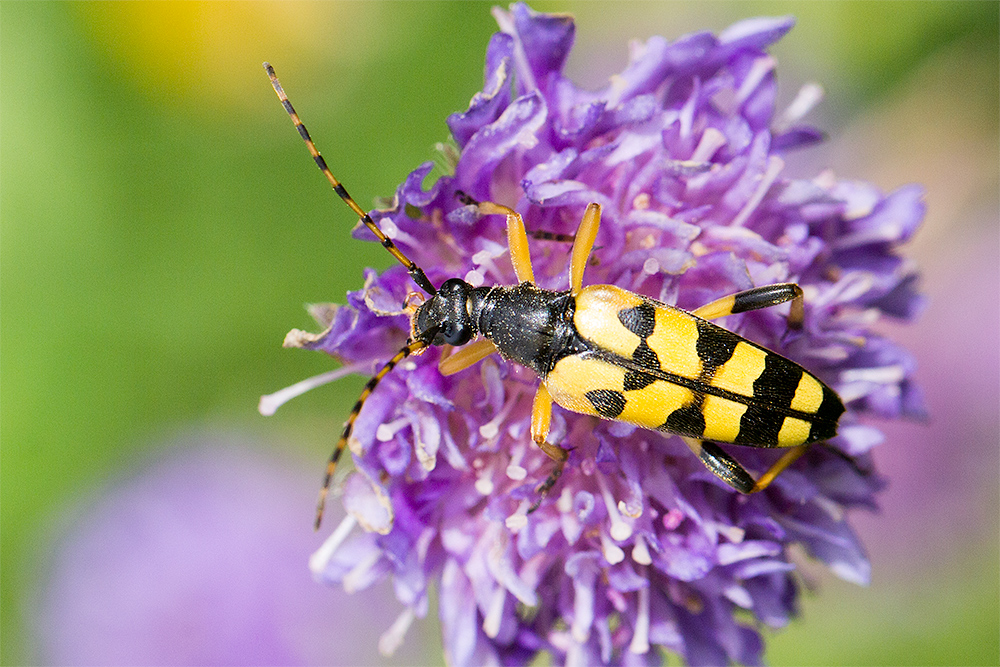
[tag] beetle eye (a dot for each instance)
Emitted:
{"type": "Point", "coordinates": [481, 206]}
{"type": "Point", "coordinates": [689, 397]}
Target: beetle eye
{"type": "Point", "coordinates": [456, 335]}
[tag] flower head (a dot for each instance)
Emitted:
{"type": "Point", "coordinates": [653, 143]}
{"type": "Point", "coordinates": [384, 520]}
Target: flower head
{"type": "Point", "coordinates": [638, 545]}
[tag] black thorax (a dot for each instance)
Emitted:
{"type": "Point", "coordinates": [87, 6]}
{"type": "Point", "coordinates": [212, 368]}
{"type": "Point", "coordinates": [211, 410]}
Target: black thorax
{"type": "Point", "coordinates": [531, 326]}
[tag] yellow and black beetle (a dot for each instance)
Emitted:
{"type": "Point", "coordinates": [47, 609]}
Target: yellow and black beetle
{"type": "Point", "coordinates": [601, 350]}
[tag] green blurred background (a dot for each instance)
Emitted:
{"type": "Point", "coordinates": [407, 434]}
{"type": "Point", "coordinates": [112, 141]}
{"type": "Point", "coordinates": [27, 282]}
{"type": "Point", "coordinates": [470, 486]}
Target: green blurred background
{"type": "Point", "coordinates": [162, 226]}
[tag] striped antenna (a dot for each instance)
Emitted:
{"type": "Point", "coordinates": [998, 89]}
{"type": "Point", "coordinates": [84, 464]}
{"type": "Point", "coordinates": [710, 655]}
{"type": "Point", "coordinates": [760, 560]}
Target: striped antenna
{"type": "Point", "coordinates": [415, 271]}
{"type": "Point", "coordinates": [331, 466]}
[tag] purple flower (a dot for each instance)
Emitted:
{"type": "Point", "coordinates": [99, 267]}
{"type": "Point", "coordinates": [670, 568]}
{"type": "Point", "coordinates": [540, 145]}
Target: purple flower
{"type": "Point", "coordinates": [638, 546]}
{"type": "Point", "coordinates": [198, 560]}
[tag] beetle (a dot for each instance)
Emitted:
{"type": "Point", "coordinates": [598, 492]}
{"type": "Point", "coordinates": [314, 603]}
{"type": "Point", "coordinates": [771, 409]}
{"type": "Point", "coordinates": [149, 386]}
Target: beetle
{"type": "Point", "coordinates": [604, 351]}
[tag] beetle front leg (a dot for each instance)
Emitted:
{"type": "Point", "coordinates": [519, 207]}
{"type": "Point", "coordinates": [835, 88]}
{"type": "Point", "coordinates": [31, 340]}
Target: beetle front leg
{"type": "Point", "coordinates": [517, 237]}
{"type": "Point", "coordinates": [466, 356]}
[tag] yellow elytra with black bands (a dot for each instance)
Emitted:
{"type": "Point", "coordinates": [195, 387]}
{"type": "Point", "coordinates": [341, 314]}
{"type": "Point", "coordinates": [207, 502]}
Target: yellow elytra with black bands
{"type": "Point", "coordinates": [604, 351]}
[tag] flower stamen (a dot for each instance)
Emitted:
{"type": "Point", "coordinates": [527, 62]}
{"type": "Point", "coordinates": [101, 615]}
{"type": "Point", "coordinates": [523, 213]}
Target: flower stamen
{"type": "Point", "coordinates": [270, 403]}
{"type": "Point", "coordinates": [774, 166]}
{"type": "Point", "coordinates": [640, 636]}
{"type": "Point", "coordinates": [321, 557]}
{"type": "Point", "coordinates": [393, 637]}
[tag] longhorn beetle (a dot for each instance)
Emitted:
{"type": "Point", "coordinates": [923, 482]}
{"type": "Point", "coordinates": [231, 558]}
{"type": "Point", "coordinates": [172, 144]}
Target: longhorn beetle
{"type": "Point", "coordinates": [603, 351]}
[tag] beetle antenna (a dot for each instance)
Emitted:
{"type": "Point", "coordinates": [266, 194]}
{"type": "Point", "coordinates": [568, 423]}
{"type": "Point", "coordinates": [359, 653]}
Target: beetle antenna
{"type": "Point", "coordinates": [415, 271]}
{"type": "Point", "coordinates": [331, 466]}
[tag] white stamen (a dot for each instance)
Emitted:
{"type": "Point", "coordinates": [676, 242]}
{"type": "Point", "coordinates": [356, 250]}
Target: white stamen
{"type": "Point", "coordinates": [387, 431]}
{"type": "Point", "coordinates": [518, 519]}
{"type": "Point", "coordinates": [583, 604]}
{"type": "Point", "coordinates": [483, 260]}
{"type": "Point", "coordinates": [620, 529]}
{"type": "Point", "coordinates": [270, 403]}
{"type": "Point", "coordinates": [565, 502]}
{"type": "Point", "coordinates": [640, 552]}
{"type": "Point", "coordinates": [808, 97]}
{"type": "Point", "coordinates": [774, 166]}
{"type": "Point", "coordinates": [321, 557]}
{"type": "Point", "coordinates": [516, 472]}
{"type": "Point", "coordinates": [651, 266]}
{"type": "Point", "coordinates": [482, 257]}
{"type": "Point", "coordinates": [877, 375]}
{"type": "Point", "coordinates": [629, 512]}
{"type": "Point", "coordinates": [393, 637]}
{"type": "Point", "coordinates": [640, 638]}
{"type": "Point", "coordinates": [359, 573]}
{"type": "Point", "coordinates": [612, 552]}
{"type": "Point", "coordinates": [490, 429]}
{"type": "Point", "coordinates": [711, 141]}
{"type": "Point", "coordinates": [761, 67]}
{"type": "Point", "coordinates": [390, 229]}
{"type": "Point", "coordinates": [484, 485]}
{"type": "Point", "coordinates": [475, 278]}
{"type": "Point", "coordinates": [576, 656]}
{"type": "Point", "coordinates": [491, 624]}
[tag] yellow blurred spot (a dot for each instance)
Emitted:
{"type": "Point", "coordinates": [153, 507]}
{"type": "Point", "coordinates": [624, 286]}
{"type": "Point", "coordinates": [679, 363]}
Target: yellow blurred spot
{"type": "Point", "coordinates": [186, 52]}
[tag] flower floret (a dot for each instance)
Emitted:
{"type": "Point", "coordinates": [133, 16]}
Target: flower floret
{"type": "Point", "coordinates": [638, 546]}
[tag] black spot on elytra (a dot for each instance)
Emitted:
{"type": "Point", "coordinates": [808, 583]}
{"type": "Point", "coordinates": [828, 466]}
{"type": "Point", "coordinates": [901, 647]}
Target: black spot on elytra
{"type": "Point", "coordinates": [635, 380]}
{"type": "Point", "coordinates": [715, 346]}
{"type": "Point", "coordinates": [825, 424]}
{"type": "Point", "coordinates": [686, 420]}
{"type": "Point", "coordinates": [640, 320]}
{"type": "Point", "coordinates": [759, 427]}
{"type": "Point", "coordinates": [609, 404]}
{"type": "Point", "coordinates": [777, 382]}
{"type": "Point", "coordinates": [646, 356]}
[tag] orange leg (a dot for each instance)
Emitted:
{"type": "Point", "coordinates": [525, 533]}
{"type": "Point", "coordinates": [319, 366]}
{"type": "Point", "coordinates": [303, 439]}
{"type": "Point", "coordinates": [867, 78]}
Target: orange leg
{"type": "Point", "coordinates": [517, 239]}
{"type": "Point", "coordinates": [541, 418]}
{"type": "Point", "coordinates": [586, 234]}
{"type": "Point", "coordinates": [787, 459]}
{"type": "Point", "coordinates": [466, 356]}
{"type": "Point", "coordinates": [755, 299]}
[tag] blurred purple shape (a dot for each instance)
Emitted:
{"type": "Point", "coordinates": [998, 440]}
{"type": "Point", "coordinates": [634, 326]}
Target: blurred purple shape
{"type": "Point", "coordinates": [200, 559]}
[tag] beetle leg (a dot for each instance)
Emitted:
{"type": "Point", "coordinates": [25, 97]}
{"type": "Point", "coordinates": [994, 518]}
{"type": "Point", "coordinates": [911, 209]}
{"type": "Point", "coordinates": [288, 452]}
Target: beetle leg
{"type": "Point", "coordinates": [756, 298]}
{"type": "Point", "coordinates": [735, 475]}
{"type": "Point", "coordinates": [541, 418]}
{"type": "Point", "coordinates": [543, 235]}
{"type": "Point", "coordinates": [517, 237]}
{"type": "Point", "coordinates": [787, 459]}
{"type": "Point", "coordinates": [547, 485]}
{"type": "Point", "coordinates": [466, 356]}
{"type": "Point", "coordinates": [586, 233]}
{"type": "Point", "coordinates": [721, 464]}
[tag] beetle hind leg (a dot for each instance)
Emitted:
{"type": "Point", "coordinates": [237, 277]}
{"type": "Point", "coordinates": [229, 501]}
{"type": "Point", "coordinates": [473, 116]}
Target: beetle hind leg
{"type": "Point", "coordinates": [726, 468]}
{"type": "Point", "coordinates": [722, 464]}
{"type": "Point", "coordinates": [787, 459]}
{"type": "Point", "coordinates": [755, 299]}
